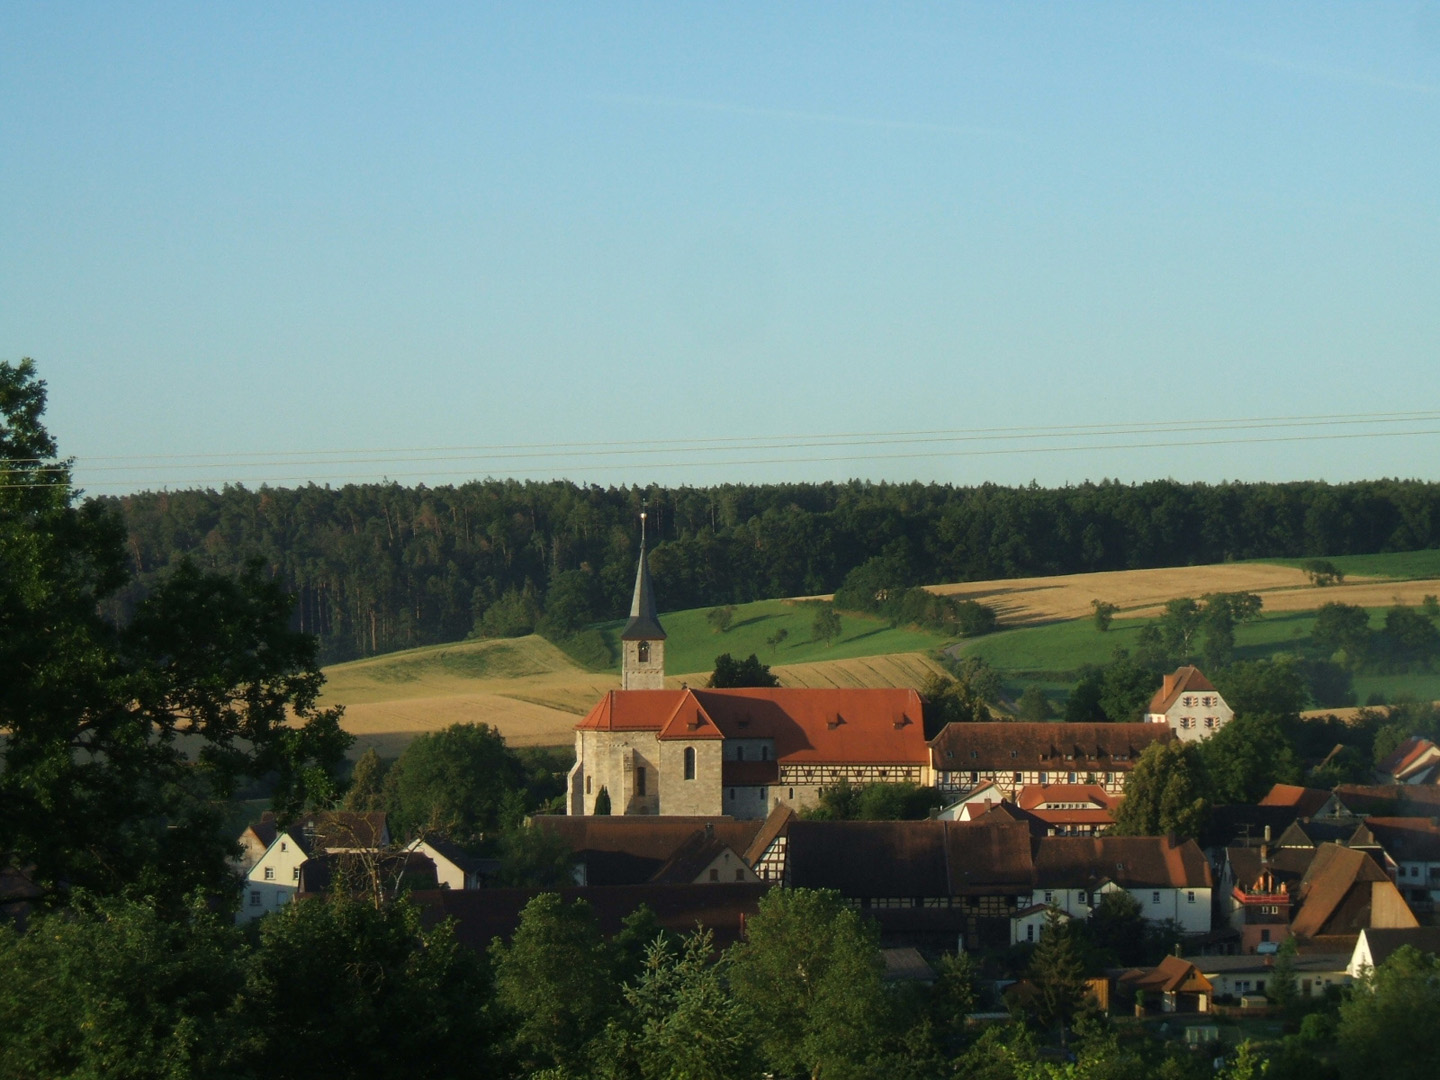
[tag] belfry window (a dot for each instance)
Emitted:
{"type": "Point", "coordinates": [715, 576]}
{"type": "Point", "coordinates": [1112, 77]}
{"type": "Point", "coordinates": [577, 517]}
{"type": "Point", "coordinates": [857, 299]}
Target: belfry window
{"type": "Point", "coordinates": [689, 763]}
{"type": "Point", "coordinates": [642, 652]}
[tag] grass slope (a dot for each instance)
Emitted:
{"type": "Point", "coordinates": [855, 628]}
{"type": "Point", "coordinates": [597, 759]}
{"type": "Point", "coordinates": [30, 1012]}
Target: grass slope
{"type": "Point", "coordinates": [1399, 565]}
{"type": "Point", "coordinates": [693, 643]}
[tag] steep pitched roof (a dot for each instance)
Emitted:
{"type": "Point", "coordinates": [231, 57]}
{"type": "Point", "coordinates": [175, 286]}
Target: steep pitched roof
{"type": "Point", "coordinates": [692, 858]}
{"type": "Point", "coordinates": [1384, 941]}
{"type": "Point", "coordinates": [1185, 680]}
{"type": "Point", "coordinates": [1171, 975]}
{"type": "Point", "coordinates": [1132, 862]}
{"type": "Point", "coordinates": [820, 726]}
{"type": "Point", "coordinates": [1003, 746]}
{"type": "Point", "coordinates": [644, 622]}
{"type": "Point", "coordinates": [1411, 839]}
{"type": "Point", "coordinates": [1390, 799]}
{"type": "Point", "coordinates": [1343, 892]}
{"type": "Point", "coordinates": [869, 858]}
{"type": "Point", "coordinates": [629, 850]}
{"type": "Point", "coordinates": [777, 823]}
{"type": "Point", "coordinates": [1412, 761]}
{"type": "Point", "coordinates": [1305, 801]}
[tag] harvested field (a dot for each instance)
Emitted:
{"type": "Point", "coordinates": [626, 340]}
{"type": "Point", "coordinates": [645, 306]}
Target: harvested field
{"type": "Point", "coordinates": [1025, 601]}
{"type": "Point", "coordinates": [525, 687]}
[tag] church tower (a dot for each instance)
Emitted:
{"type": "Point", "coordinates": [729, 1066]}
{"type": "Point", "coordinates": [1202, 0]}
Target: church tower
{"type": "Point", "coordinates": [643, 641]}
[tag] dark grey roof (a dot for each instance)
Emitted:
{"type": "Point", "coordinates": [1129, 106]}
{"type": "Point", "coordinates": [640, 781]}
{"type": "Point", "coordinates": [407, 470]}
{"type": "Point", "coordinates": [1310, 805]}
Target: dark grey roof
{"type": "Point", "coordinates": [644, 624]}
{"type": "Point", "coordinates": [1383, 942]}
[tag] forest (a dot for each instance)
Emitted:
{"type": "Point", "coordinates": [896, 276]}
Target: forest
{"type": "Point", "coordinates": [377, 567]}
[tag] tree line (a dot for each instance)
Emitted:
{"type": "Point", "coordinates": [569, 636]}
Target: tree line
{"type": "Point", "coordinates": [376, 567]}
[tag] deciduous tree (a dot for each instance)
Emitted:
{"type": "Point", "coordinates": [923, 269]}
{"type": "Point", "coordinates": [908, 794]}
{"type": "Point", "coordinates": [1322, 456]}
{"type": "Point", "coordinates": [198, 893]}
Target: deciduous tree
{"type": "Point", "coordinates": [1164, 793]}
{"type": "Point", "coordinates": [123, 735]}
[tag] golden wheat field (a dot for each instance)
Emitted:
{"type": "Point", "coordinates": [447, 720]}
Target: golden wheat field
{"type": "Point", "coordinates": [1024, 601]}
{"type": "Point", "coordinates": [534, 694]}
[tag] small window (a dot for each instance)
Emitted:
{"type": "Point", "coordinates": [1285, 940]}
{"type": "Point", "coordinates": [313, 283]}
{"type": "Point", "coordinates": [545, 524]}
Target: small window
{"type": "Point", "coordinates": [269, 873]}
{"type": "Point", "coordinates": [1029, 931]}
{"type": "Point", "coordinates": [739, 753]}
{"type": "Point", "coordinates": [1044, 778]}
{"type": "Point", "coordinates": [1049, 897]}
{"type": "Point", "coordinates": [587, 785]}
{"type": "Point", "coordinates": [1190, 897]}
{"type": "Point", "coordinates": [642, 652]}
{"type": "Point", "coordinates": [295, 874]}
{"type": "Point", "coordinates": [1080, 896]}
{"type": "Point", "coordinates": [254, 897]}
{"type": "Point", "coordinates": [1072, 778]}
{"type": "Point", "coordinates": [640, 780]}
{"type": "Point", "coordinates": [1154, 898]}
{"type": "Point", "coordinates": [1018, 777]}
{"type": "Point", "coordinates": [689, 763]}
{"type": "Point", "coordinates": [282, 846]}
{"type": "Point", "coordinates": [763, 794]}
{"type": "Point", "coordinates": [739, 874]}
{"type": "Point", "coordinates": [714, 874]}
{"type": "Point", "coordinates": [1264, 935]}
{"type": "Point", "coordinates": [764, 753]}
{"type": "Point", "coordinates": [732, 794]}
{"type": "Point", "coordinates": [792, 793]}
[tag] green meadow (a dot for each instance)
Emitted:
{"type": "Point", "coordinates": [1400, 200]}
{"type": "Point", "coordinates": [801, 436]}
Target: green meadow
{"type": "Point", "coordinates": [1050, 656]}
{"type": "Point", "coordinates": [692, 642]}
{"type": "Point", "coordinates": [1399, 566]}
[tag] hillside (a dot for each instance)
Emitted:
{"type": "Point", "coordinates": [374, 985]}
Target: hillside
{"type": "Point", "coordinates": [534, 693]}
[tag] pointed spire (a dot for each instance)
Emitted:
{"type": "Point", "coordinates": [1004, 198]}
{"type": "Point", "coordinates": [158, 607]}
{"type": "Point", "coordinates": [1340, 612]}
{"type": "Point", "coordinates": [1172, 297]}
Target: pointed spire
{"type": "Point", "coordinates": [644, 624]}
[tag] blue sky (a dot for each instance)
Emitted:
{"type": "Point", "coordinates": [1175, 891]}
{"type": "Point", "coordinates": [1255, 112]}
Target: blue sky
{"type": "Point", "coordinates": [635, 243]}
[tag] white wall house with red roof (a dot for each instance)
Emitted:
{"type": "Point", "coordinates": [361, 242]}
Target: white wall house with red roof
{"type": "Point", "coordinates": [1189, 703]}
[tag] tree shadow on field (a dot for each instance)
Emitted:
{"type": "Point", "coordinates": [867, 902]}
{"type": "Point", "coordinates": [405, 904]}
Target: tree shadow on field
{"type": "Point", "coordinates": [752, 620]}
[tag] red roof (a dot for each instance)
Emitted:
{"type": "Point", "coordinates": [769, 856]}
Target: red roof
{"type": "Point", "coordinates": [1094, 796]}
{"type": "Point", "coordinates": [1185, 680]}
{"type": "Point", "coordinates": [1306, 801]}
{"type": "Point", "coordinates": [807, 725]}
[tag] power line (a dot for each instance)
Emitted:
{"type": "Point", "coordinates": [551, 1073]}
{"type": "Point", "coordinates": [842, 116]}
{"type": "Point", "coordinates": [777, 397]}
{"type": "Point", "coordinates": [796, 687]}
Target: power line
{"type": "Point", "coordinates": [1330, 436]}
{"type": "Point", "coordinates": [503, 451]}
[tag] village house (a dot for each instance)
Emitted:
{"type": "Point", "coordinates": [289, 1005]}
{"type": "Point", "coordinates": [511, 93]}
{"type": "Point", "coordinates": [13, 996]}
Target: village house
{"type": "Point", "coordinates": [1244, 975]}
{"type": "Point", "coordinates": [1189, 705]}
{"type": "Point", "coordinates": [274, 878]}
{"type": "Point", "coordinates": [1170, 881]}
{"type": "Point", "coordinates": [1414, 761]}
{"type": "Point", "coordinates": [1374, 946]}
{"type": "Point", "coordinates": [1012, 756]}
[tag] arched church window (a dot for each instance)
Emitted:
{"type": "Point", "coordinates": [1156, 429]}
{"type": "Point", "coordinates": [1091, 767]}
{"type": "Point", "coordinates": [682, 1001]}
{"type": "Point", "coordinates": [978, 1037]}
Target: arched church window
{"type": "Point", "coordinates": [642, 652]}
{"type": "Point", "coordinates": [689, 763]}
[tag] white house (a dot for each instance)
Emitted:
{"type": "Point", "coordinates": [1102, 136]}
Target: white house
{"type": "Point", "coordinates": [1169, 881]}
{"type": "Point", "coordinates": [1374, 946]}
{"type": "Point", "coordinates": [1190, 705]}
{"type": "Point", "coordinates": [274, 879]}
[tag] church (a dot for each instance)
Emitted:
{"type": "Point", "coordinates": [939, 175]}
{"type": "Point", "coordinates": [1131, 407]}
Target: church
{"type": "Point", "coordinates": [645, 749]}
{"type": "Point", "coordinates": [741, 752]}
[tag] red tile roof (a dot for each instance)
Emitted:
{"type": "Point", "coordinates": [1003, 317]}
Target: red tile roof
{"type": "Point", "coordinates": [1305, 801]}
{"type": "Point", "coordinates": [1185, 680]}
{"type": "Point", "coordinates": [807, 725]}
{"type": "Point", "coordinates": [1094, 796]}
